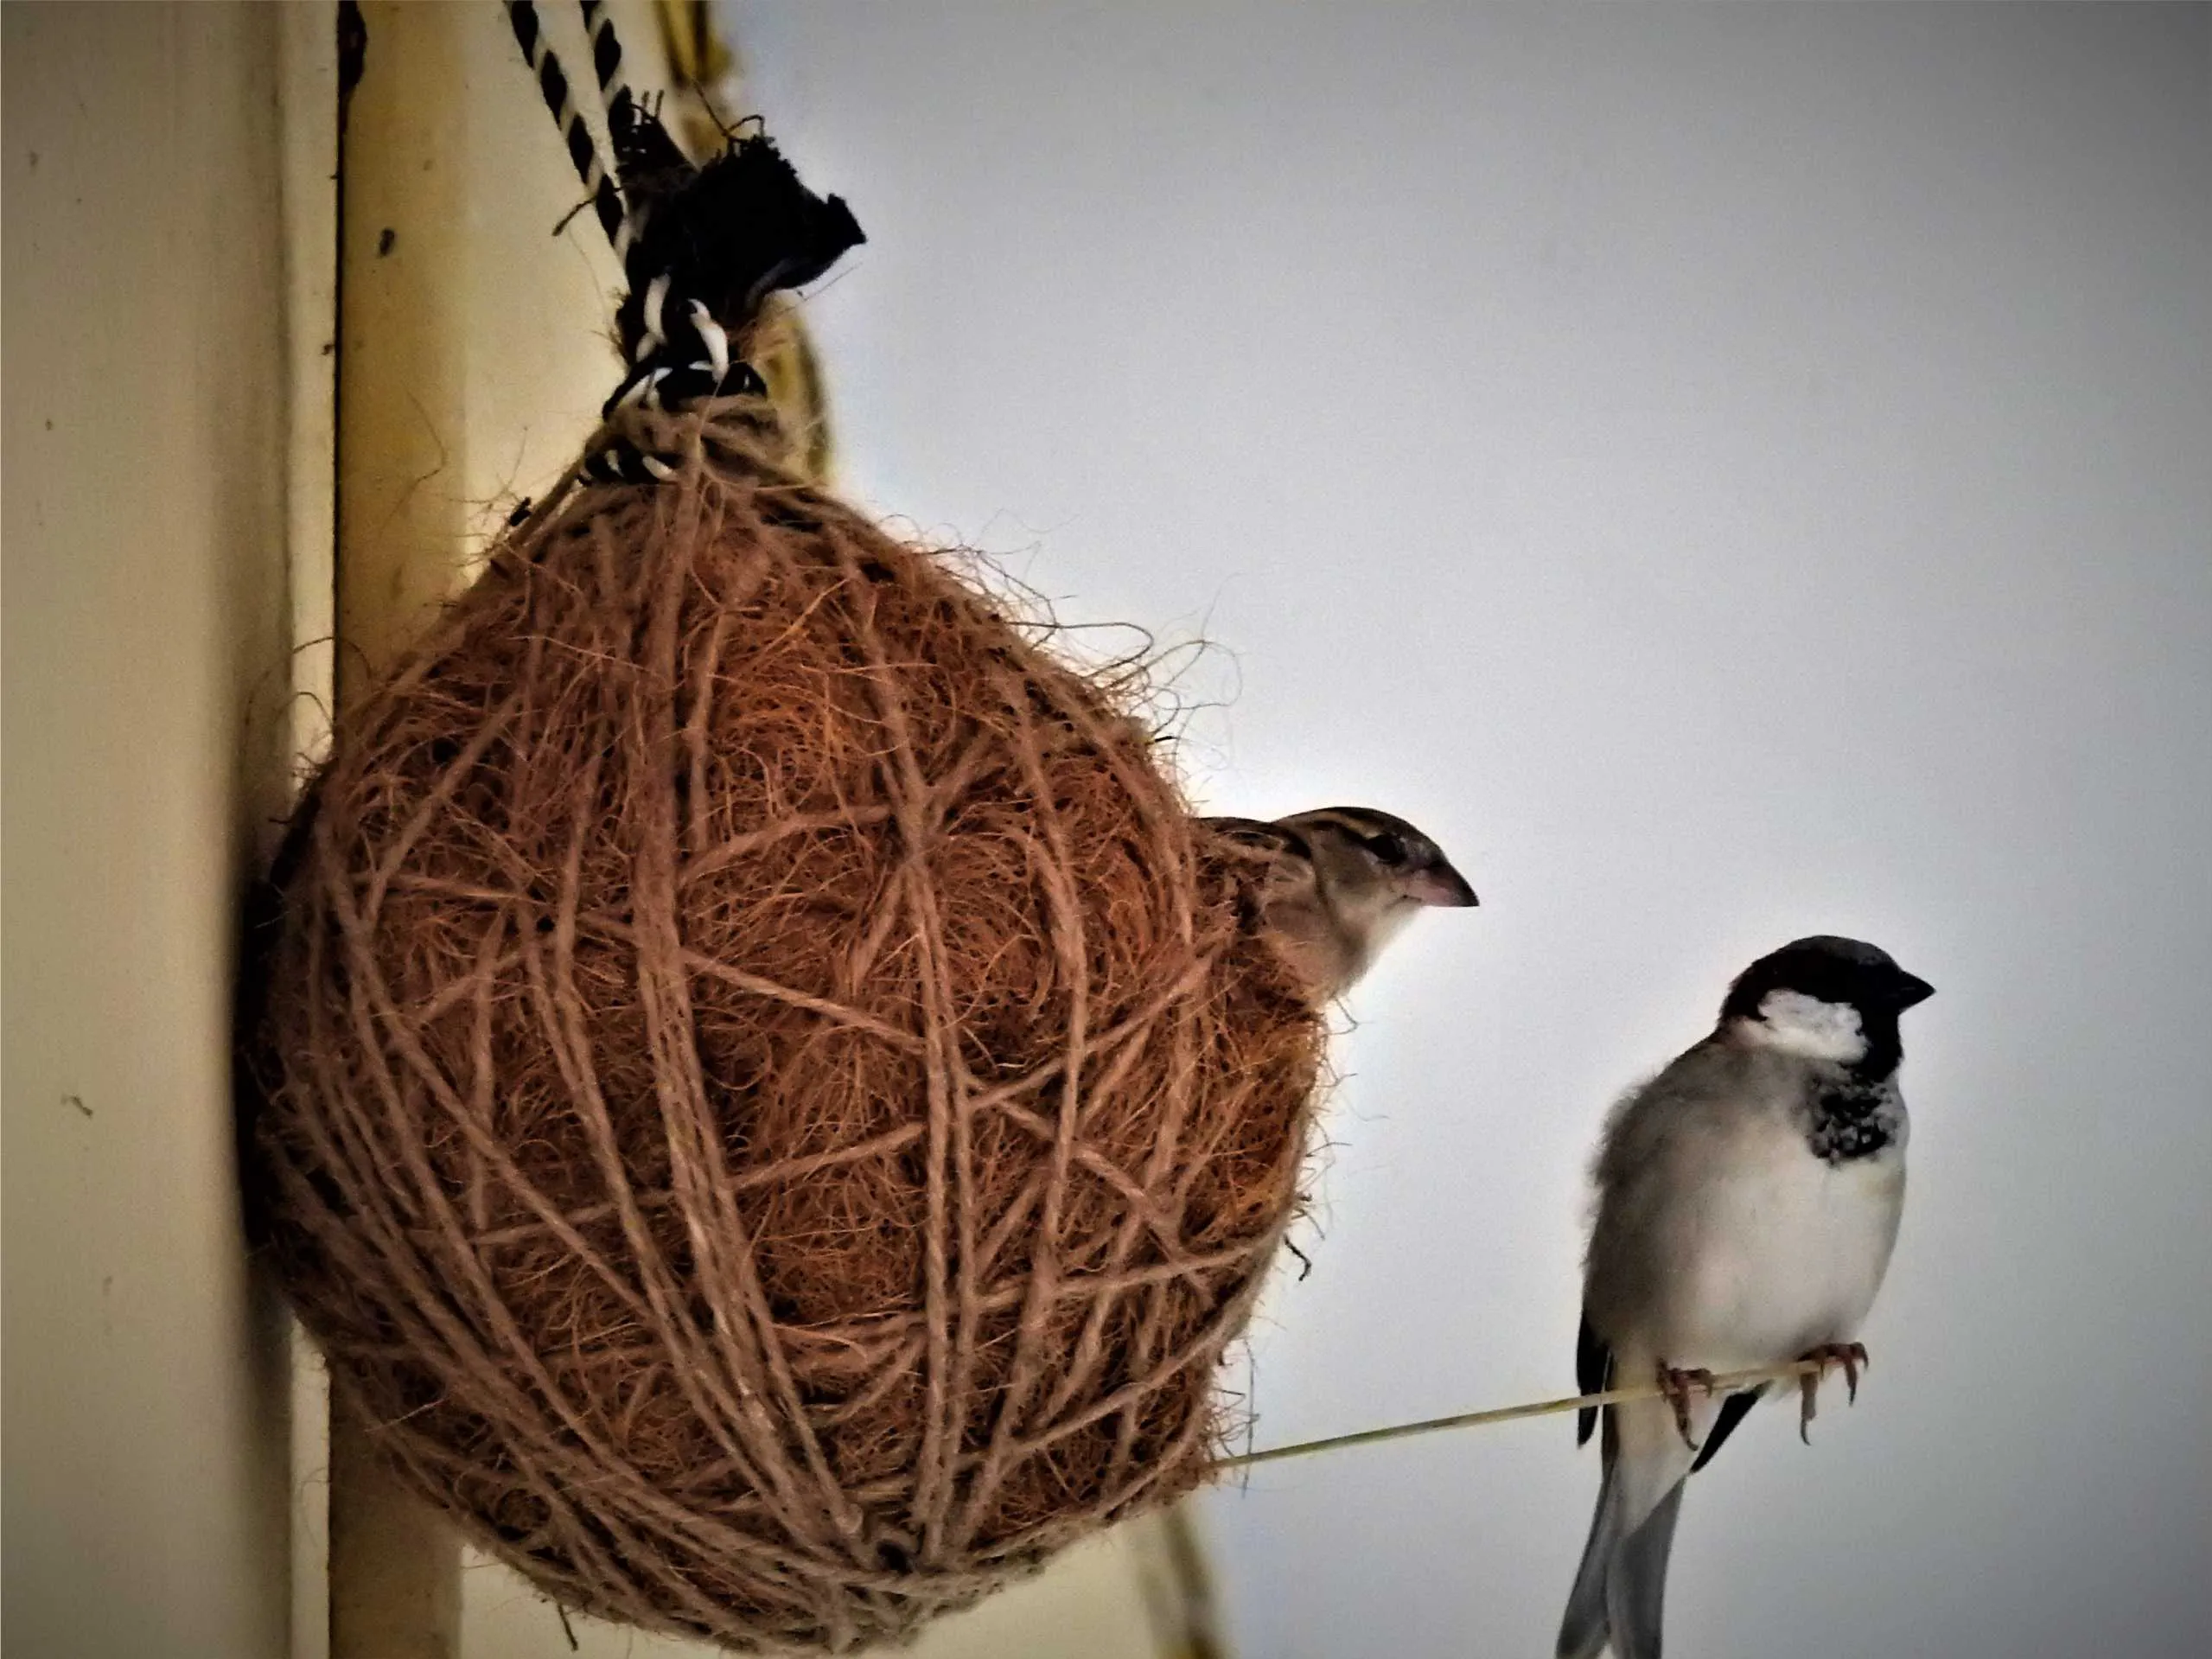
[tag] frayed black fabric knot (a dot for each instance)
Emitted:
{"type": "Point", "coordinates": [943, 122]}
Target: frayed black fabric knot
{"type": "Point", "coordinates": [709, 245]}
{"type": "Point", "coordinates": [727, 234]}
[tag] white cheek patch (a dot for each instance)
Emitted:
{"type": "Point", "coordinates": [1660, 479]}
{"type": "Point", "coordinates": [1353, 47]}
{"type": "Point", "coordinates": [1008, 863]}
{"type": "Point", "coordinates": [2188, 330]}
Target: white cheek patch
{"type": "Point", "coordinates": [1797, 1024]}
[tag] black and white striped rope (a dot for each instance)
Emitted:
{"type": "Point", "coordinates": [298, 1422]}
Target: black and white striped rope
{"type": "Point", "coordinates": [680, 353]}
{"type": "Point", "coordinates": [674, 329]}
{"type": "Point", "coordinates": [606, 51]}
{"type": "Point", "coordinates": [682, 330]}
{"type": "Point", "coordinates": [621, 107]}
{"type": "Point", "coordinates": [583, 151]}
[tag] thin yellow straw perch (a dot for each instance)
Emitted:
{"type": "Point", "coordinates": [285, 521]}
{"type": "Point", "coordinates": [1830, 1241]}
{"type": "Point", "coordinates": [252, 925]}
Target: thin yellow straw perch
{"type": "Point", "coordinates": [1723, 1382]}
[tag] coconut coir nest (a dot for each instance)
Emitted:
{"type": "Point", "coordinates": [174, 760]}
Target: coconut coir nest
{"type": "Point", "coordinates": [767, 1103]}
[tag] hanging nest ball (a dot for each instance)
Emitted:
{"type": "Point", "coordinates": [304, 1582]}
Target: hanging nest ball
{"type": "Point", "coordinates": [764, 1098]}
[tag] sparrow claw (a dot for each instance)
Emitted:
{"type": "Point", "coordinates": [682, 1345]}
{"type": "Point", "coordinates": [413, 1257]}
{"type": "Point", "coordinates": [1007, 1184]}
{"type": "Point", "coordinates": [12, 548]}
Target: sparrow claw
{"type": "Point", "coordinates": [1852, 1356]}
{"type": "Point", "coordinates": [1675, 1385]}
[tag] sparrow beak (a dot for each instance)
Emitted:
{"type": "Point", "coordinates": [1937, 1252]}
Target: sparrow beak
{"type": "Point", "coordinates": [1908, 990]}
{"type": "Point", "coordinates": [1438, 884]}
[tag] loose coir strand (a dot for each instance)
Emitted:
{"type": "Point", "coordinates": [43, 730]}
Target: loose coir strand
{"type": "Point", "coordinates": [1723, 1382]}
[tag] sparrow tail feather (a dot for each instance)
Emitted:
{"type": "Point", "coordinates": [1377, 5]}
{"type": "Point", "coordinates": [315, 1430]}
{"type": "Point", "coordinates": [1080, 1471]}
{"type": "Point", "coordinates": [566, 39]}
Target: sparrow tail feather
{"type": "Point", "coordinates": [1635, 1582]}
{"type": "Point", "coordinates": [1621, 1585]}
{"type": "Point", "coordinates": [1583, 1631]}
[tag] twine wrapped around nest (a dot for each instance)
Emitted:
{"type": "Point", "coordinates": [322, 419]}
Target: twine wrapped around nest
{"type": "Point", "coordinates": [764, 1098]}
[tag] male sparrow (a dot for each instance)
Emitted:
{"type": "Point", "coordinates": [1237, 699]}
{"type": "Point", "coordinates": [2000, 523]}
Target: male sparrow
{"type": "Point", "coordinates": [1748, 1200]}
{"type": "Point", "coordinates": [1340, 884]}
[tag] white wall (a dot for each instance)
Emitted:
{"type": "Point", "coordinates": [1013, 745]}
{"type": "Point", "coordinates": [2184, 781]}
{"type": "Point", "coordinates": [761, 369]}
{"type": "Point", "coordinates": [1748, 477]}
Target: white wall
{"type": "Point", "coordinates": [146, 630]}
{"type": "Point", "coordinates": [1730, 473]}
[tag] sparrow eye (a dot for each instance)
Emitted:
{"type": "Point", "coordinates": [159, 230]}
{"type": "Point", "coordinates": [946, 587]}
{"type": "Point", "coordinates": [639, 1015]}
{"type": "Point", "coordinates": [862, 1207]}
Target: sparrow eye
{"type": "Point", "coordinates": [1388, 849]}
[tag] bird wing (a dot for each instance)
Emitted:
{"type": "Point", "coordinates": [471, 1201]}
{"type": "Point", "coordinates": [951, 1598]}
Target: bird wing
{"type": "Point", "coordinates": [1593, 1375]}
{"type": "Point", "coordinates": [1267, 877]}
{"type": "Point", "coordinates": [1732, 1412]}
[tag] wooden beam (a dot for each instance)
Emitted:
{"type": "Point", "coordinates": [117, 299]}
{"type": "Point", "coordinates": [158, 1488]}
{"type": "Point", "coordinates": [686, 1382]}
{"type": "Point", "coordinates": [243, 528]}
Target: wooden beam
{"type": "Point", "coordinates": [395, 1567]}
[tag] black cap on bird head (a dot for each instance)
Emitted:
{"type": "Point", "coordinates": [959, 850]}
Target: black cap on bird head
{"type": "Point", "coordinates": [1785, 989]}
{"type": "Point", "coordinates": [1829, 969]}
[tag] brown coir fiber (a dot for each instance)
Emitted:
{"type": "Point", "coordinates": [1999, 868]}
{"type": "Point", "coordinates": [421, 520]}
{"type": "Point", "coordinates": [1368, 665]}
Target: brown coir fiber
{"type": "Point", "coordinates": [766, 1104]}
